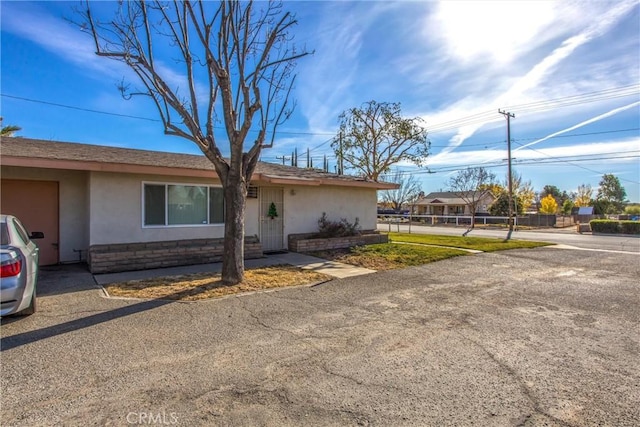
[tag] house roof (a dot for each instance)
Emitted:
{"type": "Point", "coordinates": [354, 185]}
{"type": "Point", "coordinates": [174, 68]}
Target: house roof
{"type": "Point", "coordinates": [449, 198]}
{"type": "Point", "coordinates": [27, 152]}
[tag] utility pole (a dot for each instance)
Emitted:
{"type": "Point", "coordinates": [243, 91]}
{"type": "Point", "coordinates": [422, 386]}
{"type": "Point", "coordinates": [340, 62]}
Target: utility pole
{"type": "Point", "coordinates": [340, 164]}
{"type": "Point", "coordinates": [508, 116]}
{"type": "Point", "coordinates": [283, 158]}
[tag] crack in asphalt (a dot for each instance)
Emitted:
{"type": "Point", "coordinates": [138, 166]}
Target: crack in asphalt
{"type": "Point", "coordinates": [528, 393]}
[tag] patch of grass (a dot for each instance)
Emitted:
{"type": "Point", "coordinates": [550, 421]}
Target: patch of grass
{"type": "Point", "coordinates": [389, 256]}
{"type": "Point", "coordinates": [485, 244]}
{"type": "Point", "coordinates": [192, 287]}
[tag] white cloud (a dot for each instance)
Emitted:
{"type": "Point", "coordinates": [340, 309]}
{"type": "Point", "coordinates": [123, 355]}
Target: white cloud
{"type": "Point", "coordinates": [540, 78]}
{"type": "Point", "coordinates": [480, 157]}
{"type": "Point", "coordinates": [58, 37]}
{"type": "Point", "coordinates": [499, 29]}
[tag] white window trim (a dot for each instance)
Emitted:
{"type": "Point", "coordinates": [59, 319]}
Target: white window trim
{"type": "Point", "coordinates": [166, 211]}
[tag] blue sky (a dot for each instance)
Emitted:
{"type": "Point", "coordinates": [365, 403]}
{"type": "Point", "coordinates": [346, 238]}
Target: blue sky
{"type": "Point", "coordinates": [569, 71]}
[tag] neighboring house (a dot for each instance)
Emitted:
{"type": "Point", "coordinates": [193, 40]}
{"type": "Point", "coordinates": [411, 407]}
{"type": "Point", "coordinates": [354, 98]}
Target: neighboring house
{"type": "Point", "coordinates": [123, 209]}
{"type": "Point", "coordinates": [449, 203]}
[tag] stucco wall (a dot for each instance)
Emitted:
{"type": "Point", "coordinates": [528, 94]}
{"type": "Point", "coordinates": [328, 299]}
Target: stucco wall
{"type": "Point", "coordinates": [304, 206]}
{"type": "Point", "coordinates": [116, 211]}
{"type": "Point", "coordinates": [73, 213]}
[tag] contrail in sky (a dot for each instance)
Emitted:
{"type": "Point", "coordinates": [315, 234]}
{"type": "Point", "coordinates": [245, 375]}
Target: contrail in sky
{"type": "Point", "coordinates": [581, 124]}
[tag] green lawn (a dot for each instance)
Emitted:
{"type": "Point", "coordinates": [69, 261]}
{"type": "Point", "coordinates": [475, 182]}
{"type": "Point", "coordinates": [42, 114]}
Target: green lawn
{"type": "Point", "coordinates": [389, 256]}
{"type": "Point", "coordinates": [485, 244]}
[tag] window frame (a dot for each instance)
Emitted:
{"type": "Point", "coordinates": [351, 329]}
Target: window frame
{"type": "Point", "coordinates": [166, 207]}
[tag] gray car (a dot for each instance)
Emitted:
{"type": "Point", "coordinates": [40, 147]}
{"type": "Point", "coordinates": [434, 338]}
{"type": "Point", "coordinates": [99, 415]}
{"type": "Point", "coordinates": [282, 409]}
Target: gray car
{"type": "Point", "coordinates": [18, 267]}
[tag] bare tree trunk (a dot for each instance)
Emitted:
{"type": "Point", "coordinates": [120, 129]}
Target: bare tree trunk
{"type": "Point", "coordinates": [235, 193]}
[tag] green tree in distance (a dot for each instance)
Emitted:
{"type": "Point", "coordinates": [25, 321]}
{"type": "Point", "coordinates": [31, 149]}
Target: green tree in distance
{"type": "Point", "coordinates": [611, 194]}
{"type": "Point", "coordinates": [567, 206]}
{"type": "Point", "coordinates": [501, 206]}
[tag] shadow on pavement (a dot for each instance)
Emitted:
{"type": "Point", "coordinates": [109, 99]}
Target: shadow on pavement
{"type": "Point", "coordinates": [13, 341]}
{"type": "Point", "coordinates": [64, 278]}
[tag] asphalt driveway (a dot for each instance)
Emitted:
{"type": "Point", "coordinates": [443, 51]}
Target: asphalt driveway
{"type": "Point", "coordinates": [525, 337]}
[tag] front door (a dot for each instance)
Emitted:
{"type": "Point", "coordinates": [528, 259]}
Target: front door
{"type": "Point", "coordinates": [271, 219]}
{"type": "Point", "coordinates": [35, 204]}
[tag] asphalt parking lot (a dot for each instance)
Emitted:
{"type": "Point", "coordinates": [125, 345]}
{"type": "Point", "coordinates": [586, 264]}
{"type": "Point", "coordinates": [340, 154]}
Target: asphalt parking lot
{"type": "Point", "coordinates": [525, 337]}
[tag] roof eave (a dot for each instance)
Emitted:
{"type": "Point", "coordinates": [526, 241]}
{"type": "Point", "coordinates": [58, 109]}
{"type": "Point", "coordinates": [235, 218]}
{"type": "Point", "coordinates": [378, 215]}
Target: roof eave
{"type": "Point", "coordinates": [84, 165]}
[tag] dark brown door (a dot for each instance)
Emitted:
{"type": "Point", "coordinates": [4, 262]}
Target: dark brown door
{"type": "Point", "coordinates": [35, 203]}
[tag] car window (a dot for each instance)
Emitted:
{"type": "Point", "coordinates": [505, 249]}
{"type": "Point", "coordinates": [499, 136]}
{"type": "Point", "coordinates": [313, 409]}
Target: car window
{"type": "Point", "coordinates": [22, 233]}
{"type": "Point", "coordinates": [4, 234]}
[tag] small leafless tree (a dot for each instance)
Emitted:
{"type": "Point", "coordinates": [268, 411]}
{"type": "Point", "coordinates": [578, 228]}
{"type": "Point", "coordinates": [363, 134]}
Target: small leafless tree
{"type": "Point", "coordinates": [375, 137]}
{"type": "Point", "coordinates": [407, 192]}
{"type": "Point", "coordinates": [202, 63]}
{"type": "Point", "coordinates": [466, 184]}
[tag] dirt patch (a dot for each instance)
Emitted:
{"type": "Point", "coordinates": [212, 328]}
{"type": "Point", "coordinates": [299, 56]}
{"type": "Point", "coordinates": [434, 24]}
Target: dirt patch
{"type": "Point", "coordinates": [193, 287]}
{"type": "Point", "coordinates": [347, 256]}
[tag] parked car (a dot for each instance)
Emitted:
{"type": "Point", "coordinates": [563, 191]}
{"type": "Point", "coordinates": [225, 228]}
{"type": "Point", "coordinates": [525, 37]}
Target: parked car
{"type": "Point", "coordinates": [18, 267]}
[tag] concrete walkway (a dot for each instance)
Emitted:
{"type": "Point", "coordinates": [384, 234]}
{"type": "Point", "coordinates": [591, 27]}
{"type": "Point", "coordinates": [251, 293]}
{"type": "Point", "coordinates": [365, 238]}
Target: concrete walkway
{"type": "Point", "coordinates": [307, 262]}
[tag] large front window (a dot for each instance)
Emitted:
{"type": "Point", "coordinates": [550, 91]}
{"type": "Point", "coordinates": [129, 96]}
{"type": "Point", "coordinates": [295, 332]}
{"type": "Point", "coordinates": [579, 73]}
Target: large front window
{"type": "Point", "coordinates": [179, 204]}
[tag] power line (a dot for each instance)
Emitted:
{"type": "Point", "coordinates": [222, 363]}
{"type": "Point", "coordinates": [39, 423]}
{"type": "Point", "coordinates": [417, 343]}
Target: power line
{"type": "Point", "coordinates": [79, 108]}
{"type": "Point", "coordinates": [481, 117]}
{"type": "Point", "coordinates": [571, 135]}
{"type": "Point", "coordinates": [572, 162]}
{"type": "Point", "coordinates": [566, 101]}
{"type": "Point", "coordinates": [128, 116]}
{"type": "Point", "coordinates": [551, 160]}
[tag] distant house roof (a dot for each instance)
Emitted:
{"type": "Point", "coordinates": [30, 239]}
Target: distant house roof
{"type": "Point", "coordinates": [585, 210]}
{"type": "Point", "coordinates": [450, 198]}
{"type": "Point", "coordinates": [27, 152]}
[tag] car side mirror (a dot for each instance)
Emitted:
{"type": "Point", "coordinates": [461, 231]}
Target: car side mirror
{"type": "Point", "coordinates": [37, 235]}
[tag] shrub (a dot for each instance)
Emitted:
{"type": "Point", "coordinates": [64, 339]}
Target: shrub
{"type": "Point", "coordinates": [615, 227]}
{"type": "Point", "coordinates": [342, 228]}
{"type": "Point", "coordinates": [630, 227]}
{"type": "Point", "coordinates": [605, 226]}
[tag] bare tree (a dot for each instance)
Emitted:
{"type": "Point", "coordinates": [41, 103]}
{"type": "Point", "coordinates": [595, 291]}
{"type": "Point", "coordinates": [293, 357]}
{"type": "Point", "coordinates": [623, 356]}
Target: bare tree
{"type": "Point", "coordinates": [203, 62]}
{"type": "Point", "coordinates": [467, 184]}
{"type": "Point", "coordinates": [375, 136]}
{"type": "Point", "coordinates": [407, 192]}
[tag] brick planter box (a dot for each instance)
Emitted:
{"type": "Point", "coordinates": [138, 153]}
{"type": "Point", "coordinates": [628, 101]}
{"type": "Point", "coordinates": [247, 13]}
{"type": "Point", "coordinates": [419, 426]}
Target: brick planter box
{"type": "Point", "coordinates": [306, 242]}
{"type": "Point", "coordinates": [141, 256]}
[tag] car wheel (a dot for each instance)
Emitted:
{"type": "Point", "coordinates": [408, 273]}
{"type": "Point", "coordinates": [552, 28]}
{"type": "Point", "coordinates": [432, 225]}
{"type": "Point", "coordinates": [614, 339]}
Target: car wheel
{"type": "Point", "coordinates": [32, 306]}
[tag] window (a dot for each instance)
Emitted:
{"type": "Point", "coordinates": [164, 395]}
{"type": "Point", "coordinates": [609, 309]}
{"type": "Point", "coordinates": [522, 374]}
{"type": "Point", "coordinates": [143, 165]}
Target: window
{"type": "Point", "coordinates": [216, 205]}
{"type": "Point", "coordinates": [4, 234]}
{"type": "Point", "coordinates": [178, 204]}
{"type": "Point", "coordinates": [22, 233]}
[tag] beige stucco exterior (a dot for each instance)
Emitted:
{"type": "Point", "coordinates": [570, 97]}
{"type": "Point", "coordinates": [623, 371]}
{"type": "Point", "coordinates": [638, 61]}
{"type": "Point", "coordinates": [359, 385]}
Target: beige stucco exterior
{"type": "Point", "coordinates": [73, 205]}
{"type": "Point", "coordinates": [101, 202]}
{"type": "Point", "coordinates": [304, 206]}
{"type": "Point", "coordinates": [105, 207]}
{"type": "Point", "coordinates": [116, 210]}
